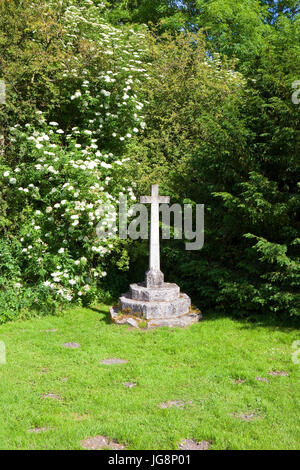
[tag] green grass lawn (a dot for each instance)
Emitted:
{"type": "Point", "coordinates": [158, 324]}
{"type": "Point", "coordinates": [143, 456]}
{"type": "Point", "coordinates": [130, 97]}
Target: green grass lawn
{"type": "Point", "coordinates": [198, 365]}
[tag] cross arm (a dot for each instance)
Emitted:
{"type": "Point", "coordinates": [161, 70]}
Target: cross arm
{"type": "Point", "coordinates": [146, 200]}
{"type": "Point", "coordinates": [164, 199]}
{"type": "Point", "coordinates": [151, 200]}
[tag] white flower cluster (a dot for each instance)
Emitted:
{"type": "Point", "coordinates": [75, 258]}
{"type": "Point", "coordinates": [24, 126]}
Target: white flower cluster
{"type": "Point", "coordinates": [71, 174]}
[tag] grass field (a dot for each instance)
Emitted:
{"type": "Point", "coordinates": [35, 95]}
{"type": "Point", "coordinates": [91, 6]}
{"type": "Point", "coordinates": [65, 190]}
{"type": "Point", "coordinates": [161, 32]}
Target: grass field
{"type": "Point", "coordinates": [199, 366]}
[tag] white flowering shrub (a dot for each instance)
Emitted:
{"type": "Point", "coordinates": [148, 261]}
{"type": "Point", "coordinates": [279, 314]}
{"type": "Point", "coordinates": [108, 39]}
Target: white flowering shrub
{"type": "Point", "coordinates": [60, 171]}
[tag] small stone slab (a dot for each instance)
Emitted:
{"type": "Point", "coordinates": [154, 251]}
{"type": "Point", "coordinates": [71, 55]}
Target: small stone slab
{"type": "Point", "coordinates": [176, 403]}
{"type": "Point", "coordinates": [112, 361]}
{"type": "Point", "coordinates": [37, 430]}
{"type": "Point", "coordinates": [51, 331]}
{"type": "Point", "coordinates": [71, 345]}
{"type": "Point", "coordinates": [245, 416]}
{"type": "Point", "coordinates": [279, 372]}
{"type": "Point", "coordinates": [190, 444]}
{"type": "Point", "coordinates": [132, 322]}
{"type": "Point", "coordinates": [52, 395]}
{"type": "Point", "coordinates": [130, 384]}
{"type": "Point", "coordinates": [101, 442]}
{"type": "Point", "coordinates": [239, 381]}
{"type": "Point", "coordinates": [78, 417]}
{"type": "Point", "coordinates": [262, 379]}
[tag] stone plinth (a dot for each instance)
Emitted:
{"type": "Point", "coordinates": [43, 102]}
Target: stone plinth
{"type": "Point", "coordinates": [161, 309]}
{"type": "Point", "coordinates": [154, 303]}
{"type": "Point", "coordinates": [154, 278]}
{"type": "Point", "coordinates": [152, 307]}
{"type": "Point", "coordinates": [164, 293]}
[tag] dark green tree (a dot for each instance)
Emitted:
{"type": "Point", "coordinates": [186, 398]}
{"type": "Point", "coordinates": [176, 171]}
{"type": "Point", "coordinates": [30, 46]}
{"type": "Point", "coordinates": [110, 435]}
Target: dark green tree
{"type": "Point", "coordinates": [243, 163]}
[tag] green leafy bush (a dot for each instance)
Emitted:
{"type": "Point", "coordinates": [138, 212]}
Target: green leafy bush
{"type": "Point", "coordinates": [65, 165]}
{"type": "Point", "coordinates": [214, 138]}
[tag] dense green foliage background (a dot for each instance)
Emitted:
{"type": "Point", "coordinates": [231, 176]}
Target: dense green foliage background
{"type": "Point", "coordinates": [201, 101]}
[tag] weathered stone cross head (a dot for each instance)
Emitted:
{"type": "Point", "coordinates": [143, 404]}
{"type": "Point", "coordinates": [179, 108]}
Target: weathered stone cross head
{"type": "Point", "coordinates": [154, 277]}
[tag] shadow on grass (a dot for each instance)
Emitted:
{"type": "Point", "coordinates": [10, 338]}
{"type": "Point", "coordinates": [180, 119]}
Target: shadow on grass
{"type": "Point", "coordinates": [104, 312]}
{"type": "Point", "coordinates": [271, 323]}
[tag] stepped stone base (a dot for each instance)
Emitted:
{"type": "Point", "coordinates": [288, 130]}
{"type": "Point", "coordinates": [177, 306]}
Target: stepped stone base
{"type": "Point", "coordinates": [165, 293]}
{"type": "Point", "coordinates": [151, 307]}
{"type": "Point", "coordinates": [161, 309]}
{"type": "Point", "coordinates": [180, 322]}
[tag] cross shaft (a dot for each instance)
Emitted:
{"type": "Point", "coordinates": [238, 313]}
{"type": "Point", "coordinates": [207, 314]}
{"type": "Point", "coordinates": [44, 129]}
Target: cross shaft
{"type": "Point", "coordinates": [154, 276]}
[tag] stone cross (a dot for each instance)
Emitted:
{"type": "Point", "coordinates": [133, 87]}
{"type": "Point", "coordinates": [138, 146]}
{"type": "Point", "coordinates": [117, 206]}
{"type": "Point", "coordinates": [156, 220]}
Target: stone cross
{"type": "Point", "coordinates": [154, 277]}
{"type": "Point", "coordinates": [154, 302]}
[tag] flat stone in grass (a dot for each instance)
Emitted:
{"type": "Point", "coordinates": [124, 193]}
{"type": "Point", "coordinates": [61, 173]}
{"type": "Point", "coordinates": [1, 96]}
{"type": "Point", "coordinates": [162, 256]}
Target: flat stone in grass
{"type": "Point", "coordinates": [245, 416]}
{"type": "Point", "coordinates": [129, 384]}
{"type": "Point", "coordinates": [191, 444]}
{"type": "Point", "coordinates": [51, 395]}
{"type": "Point", "coordinates": [279, 372]}
{"type": "Point", "coordinates": [239, 381]}
{"type": "Point", "coordinates": [54, 330]}
{"type": "Point", "coordinates": [176, 403]}
{"type": "Point", "coordinates": [78, 417]}
{"type": "Point", "coordinates": [71, 345]}
{"type": "Point", "coordinates": [132, 322]}
{"type": "Point", "coordinates": [37, 430]}
{"type": "Point", "coordinates": [262, 379]}
{"type": "Point", "coordinates": [112, 361]}
{"type": "Point", "coordinates": [101, 442]}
